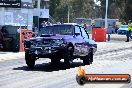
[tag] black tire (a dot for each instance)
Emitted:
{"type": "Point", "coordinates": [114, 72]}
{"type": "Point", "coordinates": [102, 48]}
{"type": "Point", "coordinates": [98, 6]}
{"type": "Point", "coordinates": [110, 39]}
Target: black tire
{"type": "Point", "coordinates": [68, 55]}
{"type": "Point", "coordinates": [55, 61]}
{"type": "Point", "coordinates": [87, 60]}
{"type": "Point", "coordinates": [30, 60]}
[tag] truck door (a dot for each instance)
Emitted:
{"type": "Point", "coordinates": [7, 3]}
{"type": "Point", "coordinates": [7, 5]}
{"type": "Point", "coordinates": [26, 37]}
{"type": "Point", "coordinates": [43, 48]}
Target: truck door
{"type": "Point", "coordinates": [85, 44]}
{"type": "Point", "coordinates": [78, 41]}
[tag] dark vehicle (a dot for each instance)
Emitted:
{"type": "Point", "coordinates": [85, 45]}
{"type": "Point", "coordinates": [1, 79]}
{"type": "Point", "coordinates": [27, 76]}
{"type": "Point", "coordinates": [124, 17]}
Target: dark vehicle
{"type": "Point", "coordinates": [64, 41]}
{"type": "Point", "coordinates": [123, 29]}
{"type": "Point", "coordinates": [100, 23]}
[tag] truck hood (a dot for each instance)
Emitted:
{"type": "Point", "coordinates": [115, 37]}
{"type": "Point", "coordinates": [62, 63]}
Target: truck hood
{"type": "Point", "coordinates": [51, 37]}
{"type": "Point", "coordinates": [91, 41]}
{"type": "Point", "coordinates": [65, 37]}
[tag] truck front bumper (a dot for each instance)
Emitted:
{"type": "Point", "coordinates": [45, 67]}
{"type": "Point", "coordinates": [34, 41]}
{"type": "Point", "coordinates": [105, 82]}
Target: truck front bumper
{"type": "Point", "coordinates": [44, 53]}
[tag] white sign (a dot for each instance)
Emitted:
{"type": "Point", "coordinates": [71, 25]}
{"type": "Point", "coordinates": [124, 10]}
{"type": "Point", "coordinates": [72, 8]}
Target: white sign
{"type": "Point", "coordinates": [1, 16]}
{"type": "Point", "coordinates": [8, 18]}
{"type": "Point", "coordinates": [44, 13]}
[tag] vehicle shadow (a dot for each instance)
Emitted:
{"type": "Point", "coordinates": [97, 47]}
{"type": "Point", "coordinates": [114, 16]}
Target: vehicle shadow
{"type": "Point", "coordinates": [48, 67]}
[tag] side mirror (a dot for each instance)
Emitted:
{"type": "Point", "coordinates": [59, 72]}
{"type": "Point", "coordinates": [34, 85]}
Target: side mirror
{"type": "Point", "coordinates": [77, 34]}
{"type": "Point", "coordinates": [88, 36]}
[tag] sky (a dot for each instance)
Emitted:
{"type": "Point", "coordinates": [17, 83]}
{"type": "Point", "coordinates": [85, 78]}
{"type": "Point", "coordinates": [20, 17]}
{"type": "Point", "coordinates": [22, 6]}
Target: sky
{"type": "Point", "coordinates": [98, 3]}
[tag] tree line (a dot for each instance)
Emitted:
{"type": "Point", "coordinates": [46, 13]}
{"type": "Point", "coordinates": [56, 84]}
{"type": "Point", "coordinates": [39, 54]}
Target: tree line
{"type": "Point", "coordinates": [118, 9]}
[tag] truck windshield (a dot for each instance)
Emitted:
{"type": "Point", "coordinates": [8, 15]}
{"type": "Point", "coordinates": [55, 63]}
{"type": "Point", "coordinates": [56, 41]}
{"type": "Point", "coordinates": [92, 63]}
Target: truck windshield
{"type": "Point", "coordinates": [57, 29]}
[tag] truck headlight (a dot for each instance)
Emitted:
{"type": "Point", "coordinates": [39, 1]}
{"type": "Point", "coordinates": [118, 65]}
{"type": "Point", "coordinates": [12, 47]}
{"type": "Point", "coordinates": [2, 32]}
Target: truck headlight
{"type": "Point", "coordinates": [57, 42]}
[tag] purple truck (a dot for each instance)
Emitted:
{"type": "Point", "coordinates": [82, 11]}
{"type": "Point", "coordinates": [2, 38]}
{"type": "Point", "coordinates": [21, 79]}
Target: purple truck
{"type": "Point", "coordinates": [62, 41]}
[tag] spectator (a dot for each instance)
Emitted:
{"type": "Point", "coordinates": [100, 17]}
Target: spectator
{"type": "Point", "coordinates": [2, 42]}
{"type": "Point", "coordinates": [4, 31]}
{"type": "Point", "coordinates": [116, 28]}
{"type": "Point", "coordinates": [129, 30]}
{"type": "Point", "coordinates": [5, 39]}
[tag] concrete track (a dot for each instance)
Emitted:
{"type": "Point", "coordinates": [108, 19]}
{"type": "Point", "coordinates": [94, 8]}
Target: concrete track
{"type": "Point", "coordinates": [111, 58]}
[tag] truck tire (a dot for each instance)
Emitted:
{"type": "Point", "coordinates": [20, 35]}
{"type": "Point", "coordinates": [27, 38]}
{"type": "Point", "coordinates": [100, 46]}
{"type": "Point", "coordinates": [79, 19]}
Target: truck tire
{"type": "Point", "coordinates": [88, 59]}
{"type": "Point", "coordinates": [55, 61]}
{"type": "Point", "coordinates": [30, 60]}
{"type": "Point", "coordinates": [68, 55]}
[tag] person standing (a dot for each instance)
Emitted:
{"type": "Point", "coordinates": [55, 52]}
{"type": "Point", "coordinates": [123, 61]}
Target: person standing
{"type": "Point", "coordinates": [129, 31]}
{"type": "Point", "coordinates": [82, 23]}
{"type": "Point", "coordinates": [4, 31]}
{"type": "Point", "coordinates": [2, 41]}
{"type": "Point", "coordinates": [116, 28]}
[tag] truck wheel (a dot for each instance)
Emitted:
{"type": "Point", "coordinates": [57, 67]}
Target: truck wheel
{"type": "Point", "coordinates": [87, 60]}
{"type": "Point", "coordinates": [68, 56]}
{"type": "Point", "coordinates": [30, 60]}
{"type": "Point", "coordinates": [90, 55]}
{"type": "Point", "coordinates": [55, 61]}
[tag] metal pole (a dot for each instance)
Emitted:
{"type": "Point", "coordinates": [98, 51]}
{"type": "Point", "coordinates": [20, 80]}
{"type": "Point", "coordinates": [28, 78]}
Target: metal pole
{"type": "Point", "coordinates": [39, 4]}
{"type": "Point", "coordinates": [39, 13]}
{"type": "Point", "coordinates": [3, 16]}
{"type": "Point", "coordinates": [106, 22]}
{"type": "Point", "coordinates": [27, 19]}
{"type": "Point", "coordinates": [68, 14]}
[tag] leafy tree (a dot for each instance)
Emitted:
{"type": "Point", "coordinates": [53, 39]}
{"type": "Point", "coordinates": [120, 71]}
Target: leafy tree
{"type": "Point", "coordinates": [61, 12]}
{"type": "Point", "coordinates": [128, 10]}
{"type": "Point", "coordinates": [53, 5]}
{"type": "Point", "coordinates": [77, 9]}
{"type": "Point", "coordinates": [82, 8]}
{"type": "Point", "coordinates": [87, 9]}
{"type": "Point", "coordinates": [118, 9]}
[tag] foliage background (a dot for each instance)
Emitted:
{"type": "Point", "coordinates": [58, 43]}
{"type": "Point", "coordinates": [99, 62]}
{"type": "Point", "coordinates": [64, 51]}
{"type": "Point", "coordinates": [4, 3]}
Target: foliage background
{"type": "Point", "coordinates": [118, 9]}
